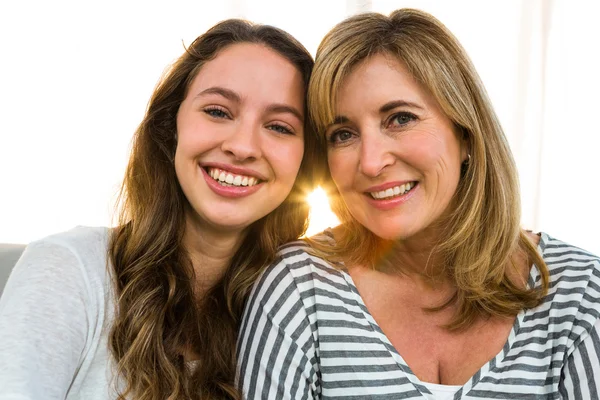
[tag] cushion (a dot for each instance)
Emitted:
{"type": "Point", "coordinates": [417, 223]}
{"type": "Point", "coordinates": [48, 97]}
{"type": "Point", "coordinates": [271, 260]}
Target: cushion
{"type": "Point", "coordinates": [9, 254]}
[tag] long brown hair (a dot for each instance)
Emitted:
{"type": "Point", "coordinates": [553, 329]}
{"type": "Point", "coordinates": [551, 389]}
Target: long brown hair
{"type": "Point", "coordinates": [482, 235]}
{"type": "Point", "coordinates": [157, 315]}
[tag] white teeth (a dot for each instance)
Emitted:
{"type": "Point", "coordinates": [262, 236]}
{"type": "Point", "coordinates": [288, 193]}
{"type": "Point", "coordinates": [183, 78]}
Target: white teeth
{"type": "Point", "coordinates": [391, 192]}
{"type": "Point", "coordinates": [227, 179]}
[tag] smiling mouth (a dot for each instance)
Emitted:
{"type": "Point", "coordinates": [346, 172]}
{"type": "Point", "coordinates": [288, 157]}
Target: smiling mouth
{"type": "Point", "coordinates": [225, 178]}
{"type": "Point", "coordinates": [392, 192]}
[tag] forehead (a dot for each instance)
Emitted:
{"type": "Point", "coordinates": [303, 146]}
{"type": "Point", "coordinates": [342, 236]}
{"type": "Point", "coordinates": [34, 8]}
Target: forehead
{"type": "Point", "coordinates": [252, 70]}
{"type": "Point", "coordinates": [381, 75]}
{"type": "Point", "coordinates": [378, 80]}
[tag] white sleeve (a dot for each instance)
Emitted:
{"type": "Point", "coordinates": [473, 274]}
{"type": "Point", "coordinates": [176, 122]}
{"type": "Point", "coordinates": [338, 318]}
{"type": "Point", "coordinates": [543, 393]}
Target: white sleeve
{"type": "Point", "coordinates": [580, 377]}
{"type": "Point", "coordinates": [43, 323]}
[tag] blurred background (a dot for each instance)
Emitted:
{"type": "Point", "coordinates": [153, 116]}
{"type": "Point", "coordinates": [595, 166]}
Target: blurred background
{"type": "Point", "coordinates": [75, 78]}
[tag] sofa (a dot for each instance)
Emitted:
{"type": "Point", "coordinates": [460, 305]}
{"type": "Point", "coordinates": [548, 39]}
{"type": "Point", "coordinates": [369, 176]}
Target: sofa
{"type": "Point", "coordinates": [9, 254]}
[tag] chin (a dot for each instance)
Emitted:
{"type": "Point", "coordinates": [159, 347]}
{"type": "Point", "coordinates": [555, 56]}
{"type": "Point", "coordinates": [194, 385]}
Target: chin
{"type": "Point", "coordinates": [222, 220]}
{"type": "Point", "coordinates": [231, 224]}
{"type": "Point", "coordinates": [392, 233]}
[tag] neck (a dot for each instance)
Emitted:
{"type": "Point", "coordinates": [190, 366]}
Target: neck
{"type": "Point", "coordinates": [210, 252]}
{"type": "Point", "coordinates": [416, 258]}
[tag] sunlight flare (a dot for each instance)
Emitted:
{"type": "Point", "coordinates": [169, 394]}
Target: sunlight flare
{"type": "Point", "coordinates": [321, 216]}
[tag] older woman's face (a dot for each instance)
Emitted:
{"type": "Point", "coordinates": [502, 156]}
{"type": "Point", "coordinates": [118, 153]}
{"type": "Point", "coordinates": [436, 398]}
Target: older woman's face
{"type": "Point", "coordinates": [393, 154]}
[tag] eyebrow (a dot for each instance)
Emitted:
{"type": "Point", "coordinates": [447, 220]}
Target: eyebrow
{"type": "Point", "coordinates": [284, 108]}
{"type": "Point", "coordinates": [233, 96]}
{"type": "Point", "coordinates": [341, 119]}
{"type": "Point", "coordinates": [398, 103]}
{"type": "Point", "coordinates": [228, 94]}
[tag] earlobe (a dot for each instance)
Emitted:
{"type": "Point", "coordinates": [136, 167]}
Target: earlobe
{"type": "Point", "coordinates": [465, 144]}
{"type": "Point", "coordinates": [467, 160]}
{"type": "Point", "coordinates": [465, 149]}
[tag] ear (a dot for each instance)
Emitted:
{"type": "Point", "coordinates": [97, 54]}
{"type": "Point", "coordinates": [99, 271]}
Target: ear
{"type": "Point", "coordinates": [465, 145]}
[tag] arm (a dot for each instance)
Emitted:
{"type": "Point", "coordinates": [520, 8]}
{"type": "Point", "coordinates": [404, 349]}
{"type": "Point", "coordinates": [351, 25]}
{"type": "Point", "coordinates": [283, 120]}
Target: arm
{"type": "Point", "coordinates": [43, 324]}
{"type": "Point", "coordinates": [580, 377]}
{"type": "Point", "coordinates": [276, 346]}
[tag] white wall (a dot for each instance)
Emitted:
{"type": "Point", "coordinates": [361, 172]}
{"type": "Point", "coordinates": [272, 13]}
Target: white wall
{"type": "Point", "coordinates": [75, 78]}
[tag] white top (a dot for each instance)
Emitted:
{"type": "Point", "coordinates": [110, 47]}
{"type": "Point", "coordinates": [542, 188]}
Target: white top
{"type": "Point", "coordinates": [441, 392]}
{"type": "Point", "coordinates": [55, 314]}
{"type": "Point", "coordinates": [307, 334]}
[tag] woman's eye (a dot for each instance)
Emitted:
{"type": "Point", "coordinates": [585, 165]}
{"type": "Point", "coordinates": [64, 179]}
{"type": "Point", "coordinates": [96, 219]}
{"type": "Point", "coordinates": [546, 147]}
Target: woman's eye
{"type": "Point", "coordinates": [281, 129]}
{"type": "Point", "coordinates": [340, 137]}
{"type": "Point", "coordinates": [402, 118]}
{"type": "Point", "coordinates": [216, 113]}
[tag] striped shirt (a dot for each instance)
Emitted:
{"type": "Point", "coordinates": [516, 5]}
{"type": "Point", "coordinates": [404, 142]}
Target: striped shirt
{"type": "Point", "coordinates": [306, 334]}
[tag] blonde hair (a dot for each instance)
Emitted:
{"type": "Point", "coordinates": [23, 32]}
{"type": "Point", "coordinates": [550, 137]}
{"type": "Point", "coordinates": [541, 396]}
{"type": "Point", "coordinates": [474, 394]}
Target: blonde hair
{"type": "Point", "coordinates": [482, 234]}
{"type": "Point", "coordinates": [158, 317]}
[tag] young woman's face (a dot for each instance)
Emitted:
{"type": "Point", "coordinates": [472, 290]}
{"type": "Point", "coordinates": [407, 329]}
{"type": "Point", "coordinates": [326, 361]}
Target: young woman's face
{"type": "Point", "coordinates": [240, 136]}
{"type": "Point", "coordinates": [393, 154]}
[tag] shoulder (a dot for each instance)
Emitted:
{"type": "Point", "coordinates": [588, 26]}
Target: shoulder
{"type": "Point", "coordinates": [53, 311]}
{"type": "Point", "coordinates": [88, 245]}
{"type": "Point", "coordinates": [574, 294]}
{"type": "Point", "coordinates": [80, 240]}
{"type": "Point", "coordinates": [297, 260]}
{"type": "Point", "coordinates": [77, 254]}
{"type": "Point", "coordinates": [569, 264]}
{"type": "Point", "coordinates": [296, 274]}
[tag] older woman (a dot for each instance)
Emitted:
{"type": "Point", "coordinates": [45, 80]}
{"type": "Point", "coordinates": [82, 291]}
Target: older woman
{"type": "Point", "coordinates": [429, 288]}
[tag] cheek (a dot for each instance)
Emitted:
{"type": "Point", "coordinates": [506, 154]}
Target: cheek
{"type": "Point", "coordinates": [182, 173]}
{"type": "Point", "coordinates": [423, 151]}
{"type": "Point", "coordinates": [286, 159]}
{"type": "Point", "coordinates": [184, 154]}
{"type": "Point", "coordinates": [341, 167]}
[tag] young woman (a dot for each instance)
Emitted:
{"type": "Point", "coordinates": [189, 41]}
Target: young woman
{"type": "Point", "coordinates": [429, 289]}
{"type": "Point", "coordinates": [216, 182]}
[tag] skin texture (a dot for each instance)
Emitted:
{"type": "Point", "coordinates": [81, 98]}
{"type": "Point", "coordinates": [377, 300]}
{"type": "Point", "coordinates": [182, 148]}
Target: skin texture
{"type": "Point", "coordinates": [243, 113]}
{"type": "Point", "coordinates": [414, 142]}
{"type": "Point", "coordinates": [389, 130]}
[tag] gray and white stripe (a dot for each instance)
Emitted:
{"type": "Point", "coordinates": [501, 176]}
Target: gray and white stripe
{"type": "Point", "coordinates": [306, 334]}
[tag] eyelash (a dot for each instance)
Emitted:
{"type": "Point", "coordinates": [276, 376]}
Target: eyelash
{"type": "Point", "coordinates": [284, 130]}
{"type": "Point", "coordinates": [221, 113]}
{"type": "Point", "coordinates": [412, 117]}
{"type": "Point", "coordinates": [334, 135]}
{"type": "Point", "coordinates": [211, 110]}
{"type": "Point", "coordinates": [406, 114]}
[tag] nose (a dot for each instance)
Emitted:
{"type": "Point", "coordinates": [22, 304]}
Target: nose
{"type": "Point", "coordinates": [375, 154]}
{"type": "Point", "coordinates": [243, 143]}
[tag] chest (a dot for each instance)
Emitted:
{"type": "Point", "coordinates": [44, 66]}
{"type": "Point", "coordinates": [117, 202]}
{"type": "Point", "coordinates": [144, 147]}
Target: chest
{"type": "Point", "coordinates": [437, 355]}
{"type": "Point", "coordinates": [433, 353]}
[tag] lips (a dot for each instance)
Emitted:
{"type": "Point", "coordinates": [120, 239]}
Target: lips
{"type": "Point", "coordinates": [392, 194]}
{"type": "Point", "coordinates": [227, 178]}
{"type": "Point", "coordinates": [233, 190]}
{"type": "Point", "coordinates": [397, 190]}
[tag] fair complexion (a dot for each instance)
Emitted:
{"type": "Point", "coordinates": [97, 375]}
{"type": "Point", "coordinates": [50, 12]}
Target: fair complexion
{"type": "Point", "coordinates": [240, 142]}
{"type": "Point", "coordinates": [395, 158]}
{"type": "Point", "coordinates": [392, 136]}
